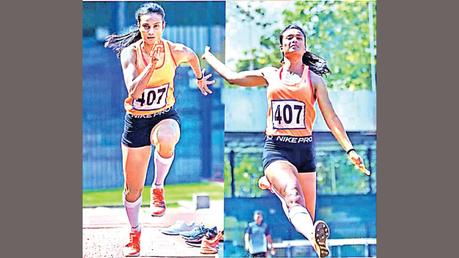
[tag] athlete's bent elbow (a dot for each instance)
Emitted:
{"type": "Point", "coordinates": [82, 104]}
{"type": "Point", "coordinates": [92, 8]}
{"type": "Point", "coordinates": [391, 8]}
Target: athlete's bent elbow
{"type": "Point", "coordinates": [231, 81]}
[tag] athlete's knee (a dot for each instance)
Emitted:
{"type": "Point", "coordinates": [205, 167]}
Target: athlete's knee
{"type": "Point", "coordinates": [132, 193]}
{"type": "Point", "coordinates": [167, 136]}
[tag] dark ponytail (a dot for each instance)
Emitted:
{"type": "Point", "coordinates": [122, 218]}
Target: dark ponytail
{"type": "Point", "coordinates": [118, 42]}
{"type": "Point", "coordinates": [316, 63]}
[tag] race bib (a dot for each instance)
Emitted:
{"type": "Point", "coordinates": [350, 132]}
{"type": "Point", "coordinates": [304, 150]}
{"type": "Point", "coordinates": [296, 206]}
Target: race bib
{"type": "Point", "coordinates": [152, 98]}
{"type": "Point", "coordinates": [288, 114]}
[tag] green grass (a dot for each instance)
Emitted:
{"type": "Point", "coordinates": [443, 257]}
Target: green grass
{"type": "Point", "coordinates": [174, 193]}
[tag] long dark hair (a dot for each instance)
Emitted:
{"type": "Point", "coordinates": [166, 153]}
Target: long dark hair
{"type": "Point", "coordinates": [118, 42]}
{"type": "Point", "coordinates": [316, 63]}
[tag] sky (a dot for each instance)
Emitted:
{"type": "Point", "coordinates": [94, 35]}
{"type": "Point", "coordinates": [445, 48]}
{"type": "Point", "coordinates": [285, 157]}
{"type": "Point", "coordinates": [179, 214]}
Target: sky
{"type": "Point", "coordinates": [242, 36]}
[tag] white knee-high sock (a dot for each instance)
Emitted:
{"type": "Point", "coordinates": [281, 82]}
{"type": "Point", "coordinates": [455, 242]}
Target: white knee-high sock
{"type": "Point", "coordinates": [299, 217]}
{"type": "Point", "coordinates": [132, 211]}
{"type": "Point", "coordinates": [162, 167]}
{"type": "Point", "coordinates": [301, 220]}
{"type": "Point", "coordinates": [284, 205]}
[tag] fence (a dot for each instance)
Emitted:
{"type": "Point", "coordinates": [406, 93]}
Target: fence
{"type": "Point", "coordinates": [335, 173]}
{"type": "Point", "coordinates": [362, 247]}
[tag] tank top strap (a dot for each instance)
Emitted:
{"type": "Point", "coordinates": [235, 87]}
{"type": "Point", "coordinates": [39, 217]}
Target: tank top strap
{"type": "Point", "coordinates": [168, 52]}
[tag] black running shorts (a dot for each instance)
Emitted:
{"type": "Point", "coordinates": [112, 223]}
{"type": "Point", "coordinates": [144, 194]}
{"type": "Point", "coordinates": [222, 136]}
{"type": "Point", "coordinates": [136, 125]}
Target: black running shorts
{"type": "Point", "coordinates": [299, 151]}
{"type": "Point", "coordinates": [137, 128]}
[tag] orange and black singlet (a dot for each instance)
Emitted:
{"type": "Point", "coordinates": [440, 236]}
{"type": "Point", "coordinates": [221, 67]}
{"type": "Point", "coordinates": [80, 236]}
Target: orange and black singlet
{"type": "Point", "coordinates": [159, 93]}
{"type": "Point", "coordinates": [290, 105]}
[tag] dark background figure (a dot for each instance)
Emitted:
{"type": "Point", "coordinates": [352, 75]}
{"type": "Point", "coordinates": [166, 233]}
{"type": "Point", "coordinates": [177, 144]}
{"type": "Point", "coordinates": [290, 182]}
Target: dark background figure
{"type": "Point", "coordinates": [257, 237]}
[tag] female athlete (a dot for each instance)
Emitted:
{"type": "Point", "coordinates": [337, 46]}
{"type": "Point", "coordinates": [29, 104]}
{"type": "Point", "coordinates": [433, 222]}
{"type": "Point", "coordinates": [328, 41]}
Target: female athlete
{"type": "Point", "coordinates": [289, 154]}
{"type": "Point", "coordinates": [149, 62]}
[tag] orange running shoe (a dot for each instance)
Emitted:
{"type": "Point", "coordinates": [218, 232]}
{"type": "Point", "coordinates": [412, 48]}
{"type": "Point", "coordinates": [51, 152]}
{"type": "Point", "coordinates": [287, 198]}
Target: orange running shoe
{"type": "Point", "coordinates": [132, 249]}
{"type": "Point", "coordinates": [157, 203]}
{"type": "Point", "coordinates": [321, 234]}
{"type": "Point", "coordinates": [208, 250]}
{"type": "Point", "coordinates": [210, 246]}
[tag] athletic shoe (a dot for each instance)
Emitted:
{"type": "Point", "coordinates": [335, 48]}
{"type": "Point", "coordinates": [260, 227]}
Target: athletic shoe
{"type": "Point", "coordinates": [264, 184]}
{"type": "Point", "coordinates": [178, 228]}
{"type": "Point", "coordinates": [132, 249]}
{"type": "Point", "coordinates": [210, 246]}
{"type": "Point", "coordinates": [212, 242]}
{"type": "Point", "coordinates": [321, 234]}
{"type": "Point", "coordinates": [194, 243]}
{"type": "Point", "coordinates": [157, 203]}
{"type": "Point", "coordinates": [208, 250]}
{"type": "Point", "coordinates": [197, 240]}
{"type": "Point", "coordinates": [211, 233]}
{"type": "Point", "coordinates": [198, 236]}
{"type": "Point", "coordinates": [198, 230]}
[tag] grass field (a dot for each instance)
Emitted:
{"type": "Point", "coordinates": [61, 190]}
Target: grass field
{"type": "Point", "coordinates": [174, 193]}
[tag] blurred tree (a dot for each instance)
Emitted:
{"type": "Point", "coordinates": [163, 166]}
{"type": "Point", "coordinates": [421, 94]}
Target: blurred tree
{"type": "Point", "coordinates": [337, 175]}
{"type": "Point", "coordinates": [336, 30]}
{"type": "Point", "coordinates": [246, 173]}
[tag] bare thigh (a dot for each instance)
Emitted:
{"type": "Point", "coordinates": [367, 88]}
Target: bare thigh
{"type": "Point", "coordinates": [283, 177]}
{"type": "Point", "coordinates": [135, 164]}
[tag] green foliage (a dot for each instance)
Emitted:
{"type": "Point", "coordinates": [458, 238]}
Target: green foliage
{"type": "Point", "coordinates": [338, 31]}
{"type": "Point", "coordinates": [234, 229]}
{"type": "Point", "coordinates": [247, 171]}
{"type": "Point", "coordinates": [337, 175]}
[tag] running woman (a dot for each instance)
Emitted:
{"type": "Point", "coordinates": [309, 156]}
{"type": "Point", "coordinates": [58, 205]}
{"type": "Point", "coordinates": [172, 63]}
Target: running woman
{"type": "Point", "coordinates": [149, 63]}
{"type": "Point", "coordinates": [289, 155]}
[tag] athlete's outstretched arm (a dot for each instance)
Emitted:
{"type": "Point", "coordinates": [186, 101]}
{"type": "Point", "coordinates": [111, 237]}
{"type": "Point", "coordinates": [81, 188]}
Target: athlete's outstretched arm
{"type": "Point", "coordinates": [332, 119]}
{"type": "Point", "coordinates": [184, 54]}
{"type": "Point", "coordinates": [136, 83]}
{"type": "Point", "coordinates": [247, 78]}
